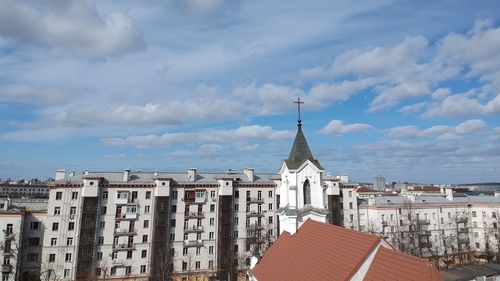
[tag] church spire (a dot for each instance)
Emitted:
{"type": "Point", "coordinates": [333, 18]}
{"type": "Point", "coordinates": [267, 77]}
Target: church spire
{"type": "Point", "coordinates": [300, 150]}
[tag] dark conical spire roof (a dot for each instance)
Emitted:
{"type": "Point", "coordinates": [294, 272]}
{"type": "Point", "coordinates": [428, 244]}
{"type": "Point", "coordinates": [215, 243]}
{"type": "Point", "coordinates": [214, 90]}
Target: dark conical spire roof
{"type": "Point", "coordinates": [300, 151]}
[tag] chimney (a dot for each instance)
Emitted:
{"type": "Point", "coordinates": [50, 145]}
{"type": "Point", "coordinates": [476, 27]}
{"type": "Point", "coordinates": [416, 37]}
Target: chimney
{"type": "Point", "coordinates": [249, 172]}
{"type": "Point", "coordinates": [126, 175]}
{"type": "Point", "coordinates": [71, 173]}
{"type": "Point", "coordinates": [449, 194]}
{"type": "Point", "coordinates": [192, 174]}
{"type": "Point", "coordinates": [86, 172]}
{"type": "Point", "coordinates": [60, 175]}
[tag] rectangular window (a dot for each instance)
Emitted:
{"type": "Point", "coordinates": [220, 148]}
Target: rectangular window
{"type": "Point", "coordinates": [67, 257]}
{"type": "Point", "coordinates": [52, 257]}
{"type": "Point", "coordinates": [184, 265]}
{"type": "Point", "coordinates": [198, 250]}
{"type": "Point", "coordinates": [58, 195]}
{"type": "Point", "coordinates": [184, 251]}
{"type": "Point", "coordinates": [33, 257]}
{"type": "Point", "coordinates": [53, 242]}
{"type": "Point", "coordinates": [270, 206]}
{"type": "Point", "coordinates": [148, 194]}
{"type": "Point", "coordinates": [211, 249]}
{"type": "Point", "coordinates": [212, 207]}
{"type": "Point", "coordinates": [102, 224]}
{"type": "Point", "coordinates": [211, 235]}
{"type": "Point", "coordinates": [134, 195]}
{"type": "Point", "coordinates": [104, 195]}
{"type": "Point", "coordinates": [174, 208]}
{"type": "Point", "coordinates": [212, 193]}
{"type": "Point", "coordinates": [71, 225]}
{"type": "Point", "coordinates": [172, 222]}
{"type": "Point", "coordinates": [113, 271]}
{"type": "Point", "coordinates": [146, 224]}
{"type": "Point", "coordinates": [55, 226]}
{"type": "Point", "coordinates": [72, 211]}
{"type": "Point", "coordinates": [33, 241]}
{"type": "Point", "coordinates": [259, 195]}
{"type": "Point", "coordinates": [74, 195]}
{"type": "Point", "coordinates": [146, 209]}
{"type": "Point", "coordinates": [104, 210]}
{"type": "Point", "coordinates": [270, 219]}
{"type": "Point", "coordinates": [100, 241]}
{"type": "Point", "coordinates": [129, 255]}
{"type": "Point", "coordinates": [66, 272]}
{"type": "Point", "coordinates": [197, 265]}
{"type": "Point", "coordinates": [99, 256]}
{"type": "Point", "coordinates": [212, 220]}
{"type": "Point", "coordinates": [144, 238]}
{"type": "Point", "coordinates": [270, 195]}
{"type": "Point", "coordinates": [172, 236]}
{"type": "Point", "coordinates": [69, 241]}
{"type": "Point", "coordinates": [144, 253]}
{"type": "Point", "coordinates": [57, 211]}
{"type": "Point", "coordinates": [35, 225]}
{"type": "Point", "coordinates": [143, 268]}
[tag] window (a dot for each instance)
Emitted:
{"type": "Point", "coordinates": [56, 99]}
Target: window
{"type": "Point", "coordinates": [270, 195]}
{"type": "Point", "coordinates": [71, 225]}
{"type": "Point", "coordinates": [102, 224]}
{"type": "Point", "coordinates": [74, 195]}
{"type": "Point", "coordinates": [143, 268]}
{"type": "Point", "coordinates": [211, 235]}
{"type": "Point", "coordinates": [66, 272]}
{"type": "Point", "coordinates": [53, 242]}
{"type": "Point", "coordinates": [35, 225]}
{"type": "Point", "coordinates": [33, 257]}
{"type": "Point", "coordinates": [235, 234]}
{"type": "Point", "coordinates": [236, 207]}
{"type": "Point", "coordinates": [211, 249]}
{"type": "Point", "coordinates": [146, 224]}
{"type": "Point", "coordinates": [33, 241]}
{"type": "Point", "coordinates": [198, 236]}
{"type": "Point", "coordinates": [184, 251]}
{"type": "Point", "coordinates": [129, 255]}
{"type": "Point", "coordinates": [57, 211]}
{"type": "Point", "coordinates": [210, 264]}
{"type": "Point", "coordinates": [69, 241]}
{"type": "Point", "coordinates": [146, 209]}
{"type": "Point", "coordinates": [184, 265]}
{"type": "Point", "coordinates": [484, 214]}
{"type": "Point", "coordinates": [72, 211]}
{"type": "Point", "coordinates": [474, 214]}
{"type": "Point", "coordinates": [236, 194]}
{"type": "Point", "coordinates": [259, 195]}
{"type": "Point", "coordinates": [99, 256]}
{"type": "Point", "coordinates": [270, 206]}
{"type": "Point", "coordinates": [55, 226]}
{"type": "Point", "coordinates": [104, 209]}
{"type": "Point", "coordinates": [198, 250]}
{"type": "Point", "coordinates": [172, 222]}
{"type": "Point", "coordinates": [144, 238]}
{"type": "Point", "coordinates": [10, 229]}
{"type": "Point", "coordinates": [236, 220]}
{"type": "Point", "coordinates": [307, 192]}
{"type": "Point", "coordinates": [235, 248]}
{"type": "Point", "coordinates": [68, 257]}
{"type": "Point", "coordinates": [350, 205]}
{"type": "Point", "coordinates": [197, 265]}
{"type": "Point", "coordinates": [52, 257]}
{"type": "Point", "coordinates": [212, 193]}
{"type": "Point", "coordinates": [144, 253]}
{"type": "Point", "coordinates": [104, 195]}
{"type": "Point", "coordinates": [98, 271]}
{"type": "Point", "coordinates": [174, 194]}
{"type": "Point", "coordinates": [270, 219]}
{"type": "Point", "coordinates": [212, 207]}
{"type": "Point", "coordinates": [128, 270]}
{"type": "Point", "coordinates": [58, 195]}
{"type": "Point", "coordinates": [148, 194]}
{"type": "Point", "coordinates": [100, 240]}
{"type": "Point", "coordinates": [248, 208]}
{"type": "Point", "coordinates": [212, 220]}
{"type": "Point", "coordinates": [134, 195]}
{"type": "Point", "coordinates": [350, 194]}
{"type": "Point", "coordinates": [113, 271]}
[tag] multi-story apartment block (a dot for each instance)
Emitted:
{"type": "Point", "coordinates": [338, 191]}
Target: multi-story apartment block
{"type": "Point", "coordinates": [22, 225]}
{"type": "Point", "coordinates": [35, 190]}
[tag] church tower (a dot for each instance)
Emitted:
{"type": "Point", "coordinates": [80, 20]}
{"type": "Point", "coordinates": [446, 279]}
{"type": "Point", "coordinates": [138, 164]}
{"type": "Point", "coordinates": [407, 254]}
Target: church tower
{"type": "Point", "coordinates": [302, 195]}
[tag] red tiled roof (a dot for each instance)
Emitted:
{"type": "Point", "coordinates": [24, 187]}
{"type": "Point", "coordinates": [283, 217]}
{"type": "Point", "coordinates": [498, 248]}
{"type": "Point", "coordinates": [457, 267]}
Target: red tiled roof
{"type": "Point", "coordinates": [318, 251]}
{"type": "Point", "coordinates": [364, 189]}
{"type": "Point", "coordinates": [400, 267]}
{"type": "Point", "coordinates": [426, 188]}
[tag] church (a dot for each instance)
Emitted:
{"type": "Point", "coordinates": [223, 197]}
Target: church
{"type": "Point", "coordinates": [182, 225]}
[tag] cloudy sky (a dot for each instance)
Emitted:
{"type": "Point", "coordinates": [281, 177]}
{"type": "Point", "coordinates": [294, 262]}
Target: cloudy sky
{"type": "Point", "coordinates": [406, 89]}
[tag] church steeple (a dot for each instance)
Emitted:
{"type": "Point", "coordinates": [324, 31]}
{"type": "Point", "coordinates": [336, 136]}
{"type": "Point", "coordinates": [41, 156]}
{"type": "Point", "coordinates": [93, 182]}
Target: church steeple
{"type": "Point", "coordinates": [300, 150]}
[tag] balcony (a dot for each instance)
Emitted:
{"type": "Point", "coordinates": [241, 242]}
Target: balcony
{"type": "Point", "coordinates": [121, 201]}
{"type": "Point", "coordinates": [195, 243]}
{"type": "Point", "coordinates": [118, 263]}
{"type": "Point", "coordinates": [255, 200]}
{"type": "Point", "coordinates": [423, 222]}
{"type": "Point", "coordinates": [255, 214]}
{"type": "Point", "coordinates": [127, 201]}
{"type": "Point", "coordinates": [462, 220]}
{"type": "Point", "coordinates": [125, 232]}
{"type": "Point", "coordinates": [197, 215]}
{"type": "Point", "coordinates": [123, 247]}
{"type": "Point", "coordinates": [193, 229]}
{"type": "Point", "coordinates": [6, 268]}
{"type": "Point", "coordinates": [200, 199]}
{"type": "Point", "coordinates": [126, 216]}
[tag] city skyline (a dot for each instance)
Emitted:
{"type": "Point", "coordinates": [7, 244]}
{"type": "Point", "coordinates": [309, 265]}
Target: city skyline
{"type": "Point", "coordinates": [407, 90]}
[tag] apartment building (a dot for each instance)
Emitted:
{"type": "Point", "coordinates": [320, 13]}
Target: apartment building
{"type": "Point", "coordinates": [22, 225]}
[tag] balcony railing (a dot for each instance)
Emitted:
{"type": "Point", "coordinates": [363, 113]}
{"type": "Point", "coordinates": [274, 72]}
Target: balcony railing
{"type": "Point", "coordinates": [123, 247]}
{"type": "Point", "coordinates": [121, 201]}
{"type": "Point", "coordinates": [423, 222]}
{"type": "Point", "coordinates": [200, 200]}
{"type": "Point", "coordinates": [255, 200]}
{"type": "Point", "coordinates": [125, 231]}
{"type": "Point", "coordinates": [6, 268]}
{"type": "Point", "coordinates": [118, 262]}
{"type": "Point", "coordinates": [126, 216]}
{"type": "Point", "coordinates": [195, 243]}
{"type": "Point", "coordinates": [255, 214]}
{"type": "Point", "coordinates": [194, 215]}
{"type": "Point", "coordinates": [193, 229]}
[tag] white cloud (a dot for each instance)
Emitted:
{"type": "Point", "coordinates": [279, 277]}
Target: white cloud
{"type": "Point", "coordinates": [337, 127]}
{"type": "Point", "coordinates": [412, 108]}
{"type": "Point", "coordinates": [441, 93]}
{"type": "Point", "coordinates": [462, 105]}
{"type": "Point", "coordinates": [442, 132]}
{"type": "Point", "coordinates": [205, 150]}
{"type": "Point", "coordinates": [241, 134]}
{"type": "Point", "coordinates": [26, 93]}
{"type": "Point", "coordinates": [69, 26]}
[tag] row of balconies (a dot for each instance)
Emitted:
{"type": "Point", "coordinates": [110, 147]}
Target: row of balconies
{"type": "Point", "coordinates": [125, 232]}
{"type": "Point", "coordinates": [198, 215]}
{"type": "Point", "coordinates": [123, 247]}
{"type": "Point", "coordinates": [194, 243]}
{"type": "Point", "coordinates": [193, 229]}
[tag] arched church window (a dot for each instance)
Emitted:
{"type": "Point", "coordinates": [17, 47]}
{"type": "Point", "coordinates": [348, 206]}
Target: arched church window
{"type": "Point", "coordinates": [307, 192]}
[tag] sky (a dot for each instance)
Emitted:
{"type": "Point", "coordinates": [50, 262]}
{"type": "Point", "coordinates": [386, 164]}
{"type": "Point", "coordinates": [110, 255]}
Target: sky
{"type": "Point", "coordinates": [405, 89]}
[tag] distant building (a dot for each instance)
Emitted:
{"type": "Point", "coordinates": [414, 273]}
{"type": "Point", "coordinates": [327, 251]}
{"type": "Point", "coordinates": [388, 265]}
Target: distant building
{"type": "Point", "coordinates": [379, 183]}
{"type": "Point", "coordinates": [318, 251]}
{"type": "Point", "coordinates": [27, 190]}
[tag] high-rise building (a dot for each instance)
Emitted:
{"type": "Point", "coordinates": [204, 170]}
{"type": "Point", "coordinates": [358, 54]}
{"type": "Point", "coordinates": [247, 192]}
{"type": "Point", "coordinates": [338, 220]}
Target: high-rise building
{"type": "Point", "coordinates": [379, 183]}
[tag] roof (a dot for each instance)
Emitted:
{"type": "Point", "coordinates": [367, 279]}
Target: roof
{"type": "Point", "coordinates": [310, 253]}
{"type": "Point", "coordinates": [365, 189]}
{"type": "Point", "coordinates": [179, 177]}
{"type": "Point", "coordinates": [300, 152]}
{"type": "Point", "coordinates": [469, 272]}
{"type": "Point", "coordinates": [320, 251]}
{"type": "Point", "coordinates": [400, 267]}
{"type": "Point", "coordinates": [425, 188]}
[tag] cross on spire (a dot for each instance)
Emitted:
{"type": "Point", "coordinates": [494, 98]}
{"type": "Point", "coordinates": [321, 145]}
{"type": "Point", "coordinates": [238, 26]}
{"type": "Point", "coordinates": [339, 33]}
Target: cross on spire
{"type": "Point", "coordinates": [298, 102]}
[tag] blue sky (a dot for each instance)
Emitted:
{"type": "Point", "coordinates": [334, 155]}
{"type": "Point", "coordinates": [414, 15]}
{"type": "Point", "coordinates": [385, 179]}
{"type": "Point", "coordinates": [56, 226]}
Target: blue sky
{"type": "Point", "coordinates": [406, 89]}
